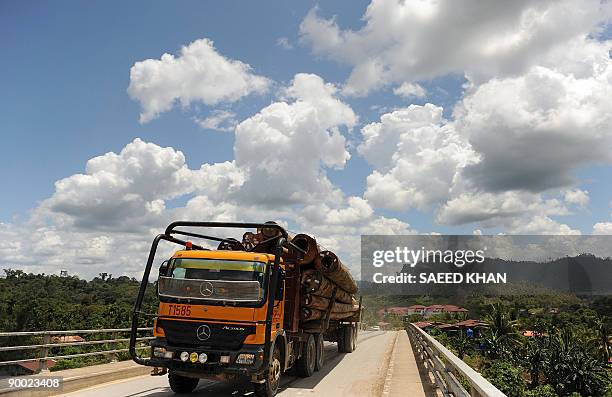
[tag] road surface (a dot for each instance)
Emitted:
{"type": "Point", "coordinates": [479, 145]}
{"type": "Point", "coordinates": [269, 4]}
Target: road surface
{"type": "Point", "coordinates": [360, 374]}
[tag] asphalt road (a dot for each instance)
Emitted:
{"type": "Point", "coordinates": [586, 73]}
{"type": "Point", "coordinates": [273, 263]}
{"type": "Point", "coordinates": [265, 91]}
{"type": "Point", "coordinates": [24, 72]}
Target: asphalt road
{"type": "Point", "coordinates": [360, 373]}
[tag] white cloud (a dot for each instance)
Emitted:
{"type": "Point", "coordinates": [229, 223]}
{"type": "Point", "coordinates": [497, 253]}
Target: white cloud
{"type": "Point", "coordinates": [497, 208]}
{"type": "Point", "coordinates": [198, 74]}
{"type": "Point", "coordinates": [540, 224]}
{"type": "Point", "coordinates": [577, 197]}
{"type": "Point", "coordinates": [534, 131]}
{"type": "Point", "coordinates": [417, 155]}
{"type": "Point", "coordinates": [220, 120]}
{"type": "Point", "coordinates": [284, 148]}
{"type": "Point", "coordinates": [421, 39]}
{"type": "Point", "coordinates": [118, 189]}
{"type": "Point", "coordinates": [407, 90]}
{"type": "Point", "coordinates": [602, 228]}
{"type": "Point", "coordinates": [284, 43]}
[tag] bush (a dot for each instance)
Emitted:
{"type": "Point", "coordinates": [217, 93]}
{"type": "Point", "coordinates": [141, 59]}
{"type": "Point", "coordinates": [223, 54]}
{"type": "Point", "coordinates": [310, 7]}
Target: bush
{"type": "Point", "coordinates": [507, 378]}
{"type": "Point", "coordinates": [541, 391]}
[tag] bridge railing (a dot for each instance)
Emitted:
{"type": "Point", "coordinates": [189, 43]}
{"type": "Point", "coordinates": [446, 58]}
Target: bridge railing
{"type": "Point", "coordinates": [43, 349]}
{"type": "Point", "coordinates": [446, 368]}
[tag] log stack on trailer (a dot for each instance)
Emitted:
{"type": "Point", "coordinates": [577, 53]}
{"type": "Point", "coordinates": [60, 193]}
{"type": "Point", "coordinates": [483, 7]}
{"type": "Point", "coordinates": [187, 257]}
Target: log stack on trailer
{"type": "Point", "coordinates": [327, 287]}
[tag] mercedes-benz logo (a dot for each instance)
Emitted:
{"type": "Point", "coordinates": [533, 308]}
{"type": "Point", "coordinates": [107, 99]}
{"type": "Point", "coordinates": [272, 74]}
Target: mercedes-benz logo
{"type": "Point", "coordinates": [206, 288]}
{"type": "Point", "coordinates": [203, 332]}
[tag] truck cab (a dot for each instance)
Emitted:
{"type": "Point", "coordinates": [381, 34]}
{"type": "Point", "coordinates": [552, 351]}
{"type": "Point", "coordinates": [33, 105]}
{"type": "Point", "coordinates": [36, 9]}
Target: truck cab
{"type": "Point", "coordinates": [212, 313]}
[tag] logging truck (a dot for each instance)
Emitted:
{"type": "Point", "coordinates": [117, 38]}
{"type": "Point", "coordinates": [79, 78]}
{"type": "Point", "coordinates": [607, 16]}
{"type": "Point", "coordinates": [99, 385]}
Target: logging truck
{"type": "Point", "coordinates": [253, 308]}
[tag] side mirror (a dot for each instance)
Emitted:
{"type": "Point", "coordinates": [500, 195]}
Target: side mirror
{"type": "Point", "coordinates": [163, 269]}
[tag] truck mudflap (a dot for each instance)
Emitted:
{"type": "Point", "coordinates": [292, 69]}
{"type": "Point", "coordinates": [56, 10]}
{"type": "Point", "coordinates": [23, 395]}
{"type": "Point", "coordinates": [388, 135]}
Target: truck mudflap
{"type": "Point", "coordinates": [219, 364]}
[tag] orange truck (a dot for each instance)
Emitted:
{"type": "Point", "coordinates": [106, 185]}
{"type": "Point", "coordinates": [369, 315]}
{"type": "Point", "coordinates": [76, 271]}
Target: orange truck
{"type": "Point", "coordinates": [234, 311]}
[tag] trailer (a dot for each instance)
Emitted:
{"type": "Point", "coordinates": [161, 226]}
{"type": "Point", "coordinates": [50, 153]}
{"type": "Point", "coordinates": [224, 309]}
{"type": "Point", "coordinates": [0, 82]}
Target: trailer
{"type": "Point", "coordinates": [237, 310]}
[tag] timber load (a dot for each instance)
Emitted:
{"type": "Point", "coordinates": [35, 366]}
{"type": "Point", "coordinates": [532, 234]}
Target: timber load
{"type": "Point", "coordinates": [327, 285]}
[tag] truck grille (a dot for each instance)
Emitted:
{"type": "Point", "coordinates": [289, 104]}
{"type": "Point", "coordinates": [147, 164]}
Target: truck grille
{"type": "Point", "coordinates": [211, 290]}
{"type": "Point", "coordinates": [207, 335]}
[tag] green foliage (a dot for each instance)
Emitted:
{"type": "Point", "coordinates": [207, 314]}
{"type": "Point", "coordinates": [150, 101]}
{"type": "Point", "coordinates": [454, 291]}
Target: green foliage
{"type": "Point", "coordinates": [506, 377]}
{"type": "Point", "coordinates": [541, 391]}
{"type": "Point", "coordinates": [501, 337]}
{"type": "Point", "coordinates": [574, 367]}
{"type": "Point", "coordinates": [36, 302]}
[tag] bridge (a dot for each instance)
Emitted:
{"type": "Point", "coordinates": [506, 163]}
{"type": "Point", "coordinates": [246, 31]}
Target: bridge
{"type": "Point", "coordinates": [385, 363]}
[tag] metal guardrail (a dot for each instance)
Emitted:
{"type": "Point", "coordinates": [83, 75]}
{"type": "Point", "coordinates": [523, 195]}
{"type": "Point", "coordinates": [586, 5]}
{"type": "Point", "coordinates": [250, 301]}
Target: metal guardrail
{"type": "Point", "coordinates": [43, 348]}
{"type": "Point", "coordinates": [445, 367]}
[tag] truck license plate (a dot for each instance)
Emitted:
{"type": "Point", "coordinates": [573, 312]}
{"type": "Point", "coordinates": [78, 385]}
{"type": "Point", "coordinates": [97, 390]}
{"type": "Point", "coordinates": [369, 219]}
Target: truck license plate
{"type": "Point", "coordinates": [179, 310]}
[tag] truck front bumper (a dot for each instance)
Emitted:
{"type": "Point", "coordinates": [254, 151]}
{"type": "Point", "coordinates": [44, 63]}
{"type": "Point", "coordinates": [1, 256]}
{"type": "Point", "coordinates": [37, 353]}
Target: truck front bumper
{"type": "Point", "coordinates": [220, 361]}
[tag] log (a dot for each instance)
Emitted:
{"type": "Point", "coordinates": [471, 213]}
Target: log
{"type": "Point", "coordinates": [309, 245]}
{"type": "Point", "coordinates": [331, 267]}
{"type": "Point", "coordinates": [313, 282]}
{"type": "Point", "coordinates": [321, 303]}
{"type": "Point", "coordinates": [308, 314]}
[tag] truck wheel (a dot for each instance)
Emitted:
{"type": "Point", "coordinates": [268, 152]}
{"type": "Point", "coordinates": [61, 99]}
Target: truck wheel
{"type": "Point", "coordinates": [320, 352]}
{"type": "Point", "coordinates": [182, 384]}
{"type": "Point", "coordinates": [354, 337]}
{"type": "Point", "coordinates": [346, 340]}
{"type": "Point", "coordinates": [270, 387]}
{"type": "Point", "coordinates": [340, 340]}
{"type": "Point", "coordinates": [305, 365]}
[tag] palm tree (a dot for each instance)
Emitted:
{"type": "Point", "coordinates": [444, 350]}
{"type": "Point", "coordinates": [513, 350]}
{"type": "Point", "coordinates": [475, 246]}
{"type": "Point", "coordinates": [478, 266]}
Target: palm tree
{"type": "Point", "coordinates": [572, 367]}
{"type": "Point", "coordinates": [536, 356]}
{"type": "Point", "coordinates": [462, 345]}
{"type": "Point", "coordinates": [501, 337]}
{"type": "Point", "coordinates": [603, 338]}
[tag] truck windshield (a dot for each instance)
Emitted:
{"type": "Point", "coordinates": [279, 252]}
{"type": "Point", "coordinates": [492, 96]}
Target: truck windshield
{"type": "Point", "coordinates": [214, 280]}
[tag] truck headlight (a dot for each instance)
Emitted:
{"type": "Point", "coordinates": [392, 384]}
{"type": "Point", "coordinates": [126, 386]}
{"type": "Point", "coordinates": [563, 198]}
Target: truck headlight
{"type": "Point", "coordinates": [245, 358]}
{"type": "Point", "coordinates": [184, 356]}
{"type": "Point", "coordinates": [162, 352]}
{"type": "Point", "coordinates": [202, 358]}
{"type": "Point", "coordinates": [193, 357]}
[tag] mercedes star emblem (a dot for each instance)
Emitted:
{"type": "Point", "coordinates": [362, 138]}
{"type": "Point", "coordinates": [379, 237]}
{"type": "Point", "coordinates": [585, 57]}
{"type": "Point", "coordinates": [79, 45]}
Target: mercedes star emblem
{"type": "Point", "coordinates": [203, 332]}
{"type": "Point", "coordinates": [206, 288]}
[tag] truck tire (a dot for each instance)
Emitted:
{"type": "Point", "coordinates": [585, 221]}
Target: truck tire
{"type": "Point", "coordinates": [305, 365]}
{"type": "Point", "coordinates": [340, 339]}
{"type": "Point", "coordinates": [320, 352]}
{"type": "Point", "coordinates": [346, 339]}
{"type": "Point", "coordinates": [182, 384]}
{"type": "Point", "coordinates": [270, 387]}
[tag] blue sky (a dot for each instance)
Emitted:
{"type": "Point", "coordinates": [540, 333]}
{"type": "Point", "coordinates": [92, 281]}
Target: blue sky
{"type": "Point", "coordinates": [65, 72]}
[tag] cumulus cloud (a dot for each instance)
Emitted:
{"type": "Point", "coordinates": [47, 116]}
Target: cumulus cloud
{"type": "Point", "coordinates": [534, 131]}
{"type": "Point", "coordinates": [285, 147]}
{"type": "Point", "coordinates": [407, 90]}
{"type": "Point", "coordinates": [219, 120]}
{"type": "Point", "coordinates": [118, 188]}
{"type": "Point", "coordinates": [602, 228]}
{"type": "Point", "coordinates": [284, 43]}
{"type": "Point", "coordinates": [417, 40]}
{"type": "Point", "coordinates": [577, 197]}
{"type": "Point", "coordinates": [198, 74]}
{"type": "Point", "coordinates": [496, 208]}
{"type": "Point", "coordinates": [417, 155]}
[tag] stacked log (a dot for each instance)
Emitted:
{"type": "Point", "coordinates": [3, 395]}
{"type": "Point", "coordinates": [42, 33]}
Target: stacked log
{"type": "Point", "coordinates": [313, 282]}
{"type": "Point", "coordinates": [332, 268]}
{"type": "Point", "coordinates": [323, 276]}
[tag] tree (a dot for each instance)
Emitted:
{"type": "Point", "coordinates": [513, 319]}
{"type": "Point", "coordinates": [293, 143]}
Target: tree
{"type": "Point", "coordinates": [462, 345]}
{"type": "Point", "coordinates": [501, 338]}
{"type": "Point", "coordinates": [573, 368]}
{"type": "Point", "coordinates": [603, 338]}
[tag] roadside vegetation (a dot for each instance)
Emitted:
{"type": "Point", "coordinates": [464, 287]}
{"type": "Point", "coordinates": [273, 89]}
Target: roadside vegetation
{"type": "Point", "coordinates": [36, 302]}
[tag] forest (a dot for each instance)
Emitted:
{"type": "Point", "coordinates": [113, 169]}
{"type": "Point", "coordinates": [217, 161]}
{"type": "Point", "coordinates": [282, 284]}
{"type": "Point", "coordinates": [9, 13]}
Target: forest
{"type": "Point", "coordinates": [36, 302]}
